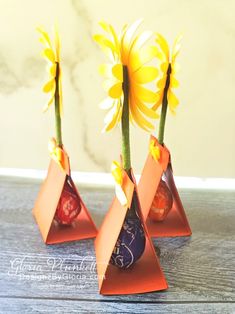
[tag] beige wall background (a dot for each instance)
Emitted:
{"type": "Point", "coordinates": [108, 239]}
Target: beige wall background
{"type": "Point", "coordinates": [201, 135]}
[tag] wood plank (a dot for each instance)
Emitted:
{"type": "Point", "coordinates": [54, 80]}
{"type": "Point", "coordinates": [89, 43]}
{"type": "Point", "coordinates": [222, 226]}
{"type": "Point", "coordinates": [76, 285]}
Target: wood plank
{"type": "Point", "coordinates": [21, 305]}
{"type": "Point", "coordinates": [198, 269]}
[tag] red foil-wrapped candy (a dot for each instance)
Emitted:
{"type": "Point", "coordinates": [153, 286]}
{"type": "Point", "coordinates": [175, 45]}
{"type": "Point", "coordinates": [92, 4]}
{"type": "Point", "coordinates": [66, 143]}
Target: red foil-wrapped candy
{"type": "Point", "coordinates": [162, 202]}
{"type": "Point", "coordinates": [69, 205]}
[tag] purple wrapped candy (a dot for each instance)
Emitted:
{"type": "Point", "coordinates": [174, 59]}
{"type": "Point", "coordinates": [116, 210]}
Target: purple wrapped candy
{"type": "Point", "coordinates": [131, 242]}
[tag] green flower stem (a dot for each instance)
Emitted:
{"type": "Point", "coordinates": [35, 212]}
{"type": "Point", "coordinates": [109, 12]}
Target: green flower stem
{"type": "Point", "coordinates": [126, 154]}
{"type": "Point", "coordinates": [164, 108]}
{"type": "Point", "coordinates": [57, 109]}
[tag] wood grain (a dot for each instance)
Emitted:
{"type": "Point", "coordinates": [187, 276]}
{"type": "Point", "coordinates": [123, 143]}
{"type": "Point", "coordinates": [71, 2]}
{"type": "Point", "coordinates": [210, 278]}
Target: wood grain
{"type": "Point", "coordinates": [200, 270]}
{"type": "Point", "coordinates": [20, 305]}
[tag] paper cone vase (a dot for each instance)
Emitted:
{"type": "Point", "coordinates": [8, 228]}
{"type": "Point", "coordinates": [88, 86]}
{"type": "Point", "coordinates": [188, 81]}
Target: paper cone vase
{"type": "Point", "coordinates": [45, 207]}
{"type": "Point", "coordinates": [143, 276]}
{"type": "Point", "coordinates": [176, 223]}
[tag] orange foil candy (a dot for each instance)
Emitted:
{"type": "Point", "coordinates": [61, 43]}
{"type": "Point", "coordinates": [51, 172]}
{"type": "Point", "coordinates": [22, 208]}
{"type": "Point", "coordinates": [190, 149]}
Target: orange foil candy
{"type": "Point", "coordinates": [162, 202]}
{"type": "Point", "coordinates": [69, 205]}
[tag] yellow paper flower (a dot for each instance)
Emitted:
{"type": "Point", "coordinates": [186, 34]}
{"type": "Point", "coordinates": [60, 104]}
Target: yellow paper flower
{"type": "Point", "coordinates": [169, 68]}
{"type": "Point", "coordinates": [128, 50]}
{"type": "Point", "coordinates": [52, 56]}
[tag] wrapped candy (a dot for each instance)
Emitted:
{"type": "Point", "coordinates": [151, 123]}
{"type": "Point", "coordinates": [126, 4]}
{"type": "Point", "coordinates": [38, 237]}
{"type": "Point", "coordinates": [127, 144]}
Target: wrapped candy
{"type": "Point", "coordinates": [131, 241]}
{"type": "Point", "coordinates": [69, 205]}
{"type": "Point", "coordinates": [162, 202]}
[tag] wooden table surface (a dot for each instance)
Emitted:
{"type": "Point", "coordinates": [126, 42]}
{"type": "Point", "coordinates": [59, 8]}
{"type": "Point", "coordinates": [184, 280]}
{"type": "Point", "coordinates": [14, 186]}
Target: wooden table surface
{"type": "Point", "coordinates": [200, 270]}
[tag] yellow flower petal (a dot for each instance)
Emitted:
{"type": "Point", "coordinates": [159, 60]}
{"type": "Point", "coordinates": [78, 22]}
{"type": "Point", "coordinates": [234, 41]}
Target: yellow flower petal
{"type": "Point", "coordinates": [52, 70]}
{"type": "Point", "coordinates": [57, 43]}
{"type": "Point", "coordinates": [45, 39]}
{"type": "Point", "coordinates": [139, 41]}
{"type": "Point", "coordinates": [145, 55]}
{"type": "Point", "coordinates": [139, 119]}
{"type": "Point", "coordinates": [105, 26]}
{"type": "Point", "coordinates": [127, 39]}
{"type": "Point", "coordinates": [163, 45]}
{"type": "Point", "coordinates": [112, 117]}
{"type": "Point", "coordinates": [108, 83]}
{"type": "Point", "coordinates": [116, 90]}
{"type": "Point", "coordinates": [162, 82]}
{"type": "Point", "coordinates": [145, 110]}
{"type": "Point", "coordinates": [115, 40]}
{"type": "Point", "coordinates": [109, 29]}
{"type": "Point", "coordinates": [164, 67]}
{"type": "Point", "coordinates": [175, 67]}
{"type": "Point", "coordinates": [172, 101]}
{"type": "Point", "coordinates": [159, 101]}
{"type": "Point", "coordinates": [145, 74]}
{"type": "Point", "coordinates": [176, 46]}
{"type": "Point", "coordinates": [46, 107]}
{"type": "Point", "coordinates": [144, 94]}
{"type": "Point", "coordinates": [117, 71]}
{"type": "Point", "coordinates": [174, 82]}
{"type": "Point", "coordinates": [49, 54]}
{"type": "Point", "coordinates": [49, 86]}
{"type": "Point", "coordinates": [106, 70]}
{"type": "Point", "coordinates": [104, 42]}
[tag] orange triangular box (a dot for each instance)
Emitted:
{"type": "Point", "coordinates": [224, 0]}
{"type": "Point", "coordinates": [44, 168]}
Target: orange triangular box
{"type": "Point", "coordinates": [176, 223]}
{"type": "Point", "coordinates": [146, 274]}
{"type": "Point", "coordinates": [46, 204]}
